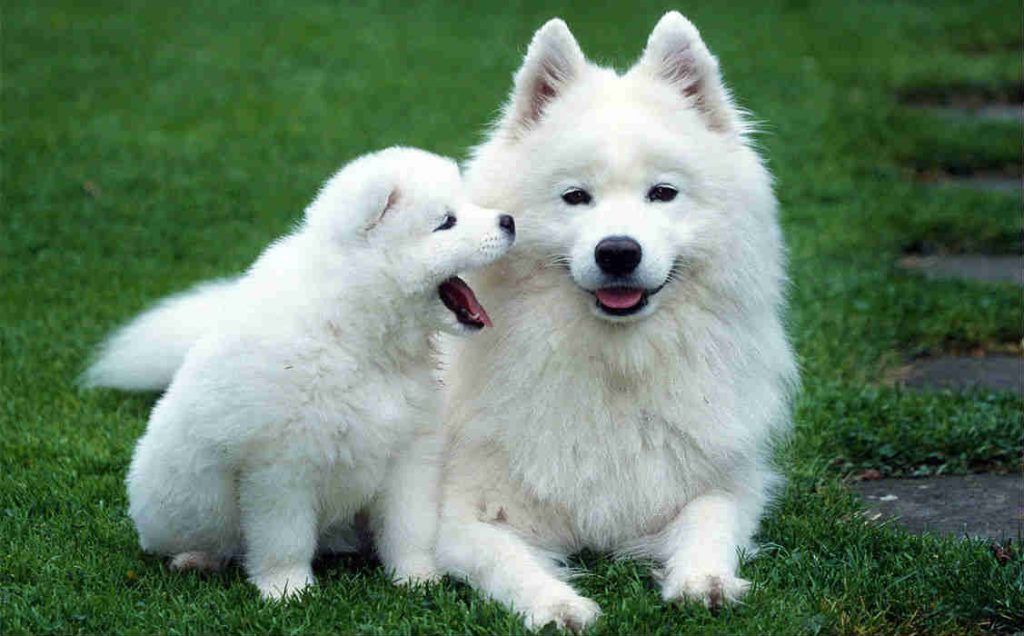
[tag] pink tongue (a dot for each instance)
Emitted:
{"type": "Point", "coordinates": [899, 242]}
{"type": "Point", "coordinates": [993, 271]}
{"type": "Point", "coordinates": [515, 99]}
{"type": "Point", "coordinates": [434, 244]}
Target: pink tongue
{"type": "Point", "coordinates": [467, 299]}
{"type": "Point", "coordinates": [619, 297]}
{"type": "Point", "coordinates": [476, 310]}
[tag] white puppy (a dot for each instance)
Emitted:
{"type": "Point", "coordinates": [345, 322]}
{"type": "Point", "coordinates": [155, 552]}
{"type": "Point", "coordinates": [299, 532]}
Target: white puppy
{"type": "Point", "coordinates": [628, 397]}
{"type": "Point", "coordinates": [310, 396]}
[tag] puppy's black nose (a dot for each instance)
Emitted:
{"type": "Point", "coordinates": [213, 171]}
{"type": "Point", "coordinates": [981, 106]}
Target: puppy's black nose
{"type": "Point", "coordinates": [618, 255]}
{"type": "Point", "coordinates": [507, 223]}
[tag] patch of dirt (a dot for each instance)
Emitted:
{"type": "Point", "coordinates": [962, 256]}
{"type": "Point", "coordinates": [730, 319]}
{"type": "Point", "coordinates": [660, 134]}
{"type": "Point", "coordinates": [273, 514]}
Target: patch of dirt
{"type": "Point", "coordinates": [988, 46]}
{"type": "Point", "coordinates": [1006, 178]}
{"type": "Point", "coordinates": [946, 246]}
{"type": "Point", "coordinates": [964, 96]}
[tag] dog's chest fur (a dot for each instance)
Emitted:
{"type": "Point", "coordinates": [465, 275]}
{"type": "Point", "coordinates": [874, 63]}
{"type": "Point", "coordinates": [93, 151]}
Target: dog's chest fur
{"type": "Point", "coordinates": [616, 459]}
{"type": "Point", "coordinates": [335, 414]}
{"type": "Point", "coordinates": [620, 477]}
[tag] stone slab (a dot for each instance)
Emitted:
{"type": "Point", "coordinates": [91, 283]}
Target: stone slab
{"type": "Point", "coordinates": [1002, 269]}
{"type": "Point", "coordinates": [979, 506]}
{"type": "Point", "coordinates": [994, 372]}
{"type": "Point", "coordinates": [985, 112]}
{"type": "Point", "coordinates": [983, 183]}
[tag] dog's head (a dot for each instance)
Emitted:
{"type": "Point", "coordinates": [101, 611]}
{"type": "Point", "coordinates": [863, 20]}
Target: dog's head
{"type": "Point", "coordinates": [630, 183]}
{"type": "Point", "coordinates": [402, 212]}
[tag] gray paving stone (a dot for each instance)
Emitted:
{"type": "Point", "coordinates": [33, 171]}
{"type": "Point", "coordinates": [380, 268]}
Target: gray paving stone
{"type": "Point", "coordinates": [1004, 269]}
{"type": "Point", "coordinates": [995, 372]}
{"type": "Point", "coordinates": [1001, 112]}
{"type": "Point", "coordinates": [986, 112]}
{"type": "Point", "coordinates": [986, 183]}
{"type": "Point", "coordinates": [983, 506]}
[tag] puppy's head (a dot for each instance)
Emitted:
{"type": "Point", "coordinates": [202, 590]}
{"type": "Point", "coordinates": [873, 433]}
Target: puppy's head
{"type": "Point", "coordinates": [403, 213]}
{"type": "Point", "coordinates": [632, 182]}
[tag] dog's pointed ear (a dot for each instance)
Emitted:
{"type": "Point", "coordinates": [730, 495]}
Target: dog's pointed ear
{"type": "Point", "coordinates": [676, 54]}
{"type": "Point", "coordinates": [552, 62]}
{"type": "Point", "coordinates": [384, 204]}
{"type": "Point", "coordinates": [346, 211]}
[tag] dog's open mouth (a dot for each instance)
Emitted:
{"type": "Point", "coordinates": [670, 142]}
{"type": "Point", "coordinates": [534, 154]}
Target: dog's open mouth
{"type": "Point", "coordinates": [460, 299]}
{"type": "Point", "coordinates": [621, 301]}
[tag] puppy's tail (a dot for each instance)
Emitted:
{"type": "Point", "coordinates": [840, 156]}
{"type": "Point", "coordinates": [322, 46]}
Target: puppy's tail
{"type": "Point", "coordinates": [144, 354]}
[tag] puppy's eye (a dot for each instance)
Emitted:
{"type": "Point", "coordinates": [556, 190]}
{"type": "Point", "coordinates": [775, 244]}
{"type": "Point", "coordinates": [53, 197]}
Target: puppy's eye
{"type": "Point", "coordinates": [662, 192]}
{"type": "Point", "coordinates": [576, 196]}
{"type": "Point", "coordinates": [447, 224]}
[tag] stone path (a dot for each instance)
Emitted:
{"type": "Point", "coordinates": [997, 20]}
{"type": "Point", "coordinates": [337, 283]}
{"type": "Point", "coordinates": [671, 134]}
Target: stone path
{"type": "Point", "coordinates": [1002, 269]}
{"type": "Point", "coordinates": [985, 506]}
{"type": "Point", "coordinates": [994, 372]}
{"type": "Point", "coordinates": [966, 108]}
{"type": "Point", "coordinates": [979, 506]}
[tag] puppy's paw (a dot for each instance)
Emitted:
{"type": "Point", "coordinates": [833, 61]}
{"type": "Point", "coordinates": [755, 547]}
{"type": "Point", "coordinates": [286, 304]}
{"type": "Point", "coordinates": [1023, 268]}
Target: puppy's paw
{"type": "Point", "coordinates": [196, 562]}
{"type": "Point", "coordinates": [713, 590]}
{"type": "Point", "coordinates": [572, 613]}
{"type": "Point", "coordinates": [283, 584]}
{"type": "Point", "coordinates": [416, 574]}
{"type": "Point", "coordinates": [413, 567]}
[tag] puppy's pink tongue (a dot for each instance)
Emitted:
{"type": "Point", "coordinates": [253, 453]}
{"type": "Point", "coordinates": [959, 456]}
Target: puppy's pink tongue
{"type": "Point", "coordinates": [460, 299]}
{"type": "Point", "coordinates": [472, 306]}
{"type": "Point", "coordinates": [619, 297]}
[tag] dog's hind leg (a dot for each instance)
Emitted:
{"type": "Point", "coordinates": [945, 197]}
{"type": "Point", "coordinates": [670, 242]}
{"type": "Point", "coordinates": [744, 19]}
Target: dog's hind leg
{"type": "Point", "coordinates": [181, 501]}
{"type": "Point", "coordinates": [499, 563]}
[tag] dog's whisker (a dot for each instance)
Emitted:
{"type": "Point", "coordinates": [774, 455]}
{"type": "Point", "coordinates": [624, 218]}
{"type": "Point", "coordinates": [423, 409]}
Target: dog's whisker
{"type": "Point", "coordinates": [558, 261]}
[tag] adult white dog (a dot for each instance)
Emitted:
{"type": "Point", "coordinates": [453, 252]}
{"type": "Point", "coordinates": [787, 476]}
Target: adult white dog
{"type": "Point", "coordinates": [310, 395]}
{"type": "Point", "coordinates": [627, 398]}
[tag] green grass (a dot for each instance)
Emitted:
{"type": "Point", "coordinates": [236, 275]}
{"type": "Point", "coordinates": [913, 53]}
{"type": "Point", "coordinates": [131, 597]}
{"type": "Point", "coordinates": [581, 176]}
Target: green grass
{"type": "Point", "coordinates": [149, 146]}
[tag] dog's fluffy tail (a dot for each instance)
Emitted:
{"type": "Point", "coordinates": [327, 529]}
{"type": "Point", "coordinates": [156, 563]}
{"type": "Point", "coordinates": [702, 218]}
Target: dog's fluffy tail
{"type": "Point", "coordinates": [145, 354]}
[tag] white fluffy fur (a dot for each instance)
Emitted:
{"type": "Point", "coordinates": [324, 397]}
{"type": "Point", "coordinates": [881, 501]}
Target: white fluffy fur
{"type": "Point", "coordinates": [647, 435]}
{"type": "Point", "coordinates": [146, 353]}
{"type": "Point", "coordinates": [308, 394]}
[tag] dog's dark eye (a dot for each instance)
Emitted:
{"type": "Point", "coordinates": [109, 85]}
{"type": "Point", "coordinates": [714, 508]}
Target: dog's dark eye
{"type": "Point", "coordinates": [449, 223]}
{"type": "Point", "coordinates": [662, 193]}
{"type": "Point", "coordinates": [576, 196]}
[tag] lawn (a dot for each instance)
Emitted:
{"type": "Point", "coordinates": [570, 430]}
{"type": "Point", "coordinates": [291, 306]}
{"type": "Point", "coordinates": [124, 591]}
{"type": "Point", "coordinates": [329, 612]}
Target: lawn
{"type": "Point", "coordinates": [147, 146]}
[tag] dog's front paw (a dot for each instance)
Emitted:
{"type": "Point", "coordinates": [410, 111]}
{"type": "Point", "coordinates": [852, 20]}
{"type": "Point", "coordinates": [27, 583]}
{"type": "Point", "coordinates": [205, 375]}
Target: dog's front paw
{"type": "Point", "coordinates": [415, 568]}
{"type": "Point", "coordinates": [572, 613]}
{"type": "Point", "coordinates": [284, 583]}
{"type": "Point", "coordinates": [713, 590]}
{"type": "Point", "coordinates": [416, 572]}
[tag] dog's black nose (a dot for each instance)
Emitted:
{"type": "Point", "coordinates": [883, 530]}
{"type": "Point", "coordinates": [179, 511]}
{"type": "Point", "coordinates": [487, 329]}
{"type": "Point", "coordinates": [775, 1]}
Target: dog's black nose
{"type": "Point", "coordinates": [618, 255]}
{"type": "Point", "coordinates": [507, 223]}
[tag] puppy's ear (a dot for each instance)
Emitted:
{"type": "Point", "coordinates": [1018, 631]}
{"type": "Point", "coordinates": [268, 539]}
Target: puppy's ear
{"type": "Point", "coordinates": [552, 62]}
{"type": "Point", "coordinates": [386, 202]}
{"type": "Point", "coordinates": [350, 206]}
{"type": "Point", "coordinates": [676, 54]}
